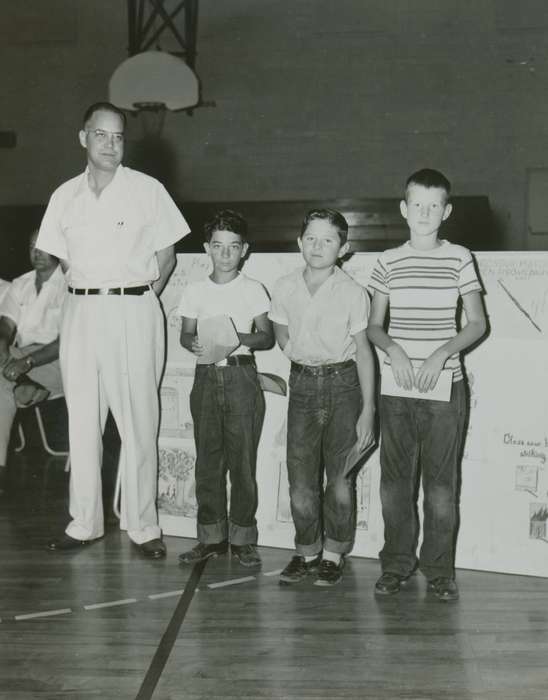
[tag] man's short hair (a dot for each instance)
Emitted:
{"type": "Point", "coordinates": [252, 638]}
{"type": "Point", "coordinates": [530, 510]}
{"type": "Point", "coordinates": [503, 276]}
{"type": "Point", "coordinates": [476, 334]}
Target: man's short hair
{"type": "Point", "coordinates": [334, 217]}
{"type": "Point", "coordinates": [103, 107]}
{"type": "Point", "coordinates": [427, 177]}
{"type": "Point", "coordinates": [226, 220]}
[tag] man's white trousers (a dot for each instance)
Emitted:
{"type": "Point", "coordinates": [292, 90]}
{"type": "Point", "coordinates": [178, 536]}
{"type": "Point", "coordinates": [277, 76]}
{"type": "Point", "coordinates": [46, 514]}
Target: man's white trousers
{"type": "Point", "coordinates": [112, 355]}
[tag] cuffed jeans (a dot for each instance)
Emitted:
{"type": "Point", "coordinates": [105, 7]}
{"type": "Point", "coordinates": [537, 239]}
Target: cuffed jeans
{"type": "Point", "coordinates": [324, 407]}
{"type": "Point", "coordinates": [227, 407]}
{"type": "Point", "coordinates": [430, 434]}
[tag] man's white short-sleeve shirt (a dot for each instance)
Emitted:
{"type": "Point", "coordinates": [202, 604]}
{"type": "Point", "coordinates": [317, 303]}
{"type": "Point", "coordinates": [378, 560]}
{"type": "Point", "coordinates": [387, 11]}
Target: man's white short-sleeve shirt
{"type": "Point", "coordinates": [111, 240]}
{"type": "Point", "coordinates": [37, 316]}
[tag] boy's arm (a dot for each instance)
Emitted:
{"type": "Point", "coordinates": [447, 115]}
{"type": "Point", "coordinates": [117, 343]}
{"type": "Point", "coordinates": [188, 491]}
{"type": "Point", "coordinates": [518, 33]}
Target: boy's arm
{"type": "Point", "coordinates": [402, 369]}
{"type": "Point", "coordinates": [281, 333]}
{"type": "Point", "coordinates": [188, 338]}
{"type": "Point", "coordinates": [262, 338]}
{"type": "Point", "coordinates": [365, 427]}
{"type": "Point", "coordinates": [476, 325]}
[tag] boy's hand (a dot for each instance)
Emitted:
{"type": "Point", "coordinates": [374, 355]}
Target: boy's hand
{"type": "Point", "coordinates": [429, 372]}
{"type": "Point", "coordinates": [365, 428]}
{"type": "Point", "coordinates": [196, 348]}
{"type": "Point", "coordinates": [402, 369]}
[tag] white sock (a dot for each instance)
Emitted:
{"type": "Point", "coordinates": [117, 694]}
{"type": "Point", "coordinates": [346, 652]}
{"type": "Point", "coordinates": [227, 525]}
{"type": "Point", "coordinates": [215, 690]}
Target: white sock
{"type": "Point", "coordinates": [332, 556]}
{"type": "Point", "coordinates": [308, 559]}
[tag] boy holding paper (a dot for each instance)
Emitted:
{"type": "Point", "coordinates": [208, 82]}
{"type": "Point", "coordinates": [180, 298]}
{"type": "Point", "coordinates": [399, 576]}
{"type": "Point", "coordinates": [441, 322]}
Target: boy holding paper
{"type": "Point", "coordinates": [226, 401]}
{"type": "Point", "coordinates": [420, 284]}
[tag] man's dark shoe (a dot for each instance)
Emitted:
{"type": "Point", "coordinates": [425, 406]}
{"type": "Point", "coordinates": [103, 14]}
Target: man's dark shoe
{"type": "Point", "coordinates": [153, 549]}
{"type": "Point", "coordinates": [444, 588]}
{"type": "Point", "coordinates": [329, 573]}
{"type": "Point", "coordinates": [246, 554]}
{"type": "Point", "coordinates": [203, 551]}
{"type": "Point", "coordinates": [298, 569]}
{"type": "Point", "coordinates": [66, 543]}
{"type": "Point", "coordinates": [390, 583]}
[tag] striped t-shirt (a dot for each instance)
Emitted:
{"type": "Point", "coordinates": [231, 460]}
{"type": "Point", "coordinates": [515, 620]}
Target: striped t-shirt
{"type": "Point", "coordinates": [424, 288]}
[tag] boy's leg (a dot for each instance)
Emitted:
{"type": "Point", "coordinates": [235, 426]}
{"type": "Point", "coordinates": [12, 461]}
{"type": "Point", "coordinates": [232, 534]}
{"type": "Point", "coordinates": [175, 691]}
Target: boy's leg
{"type": "Point", "coordinates": [305, 423]}
{"type": "Point", "coordinates": [442, 428]}
{"type": "Point", "coordinates": [206, 408]}
{"type": "Point", "coordinates": [339, 436]}
{"type": "Point", "coordinates": [399, 462]}
{"type": "Point", "coordinates": [244, 411]}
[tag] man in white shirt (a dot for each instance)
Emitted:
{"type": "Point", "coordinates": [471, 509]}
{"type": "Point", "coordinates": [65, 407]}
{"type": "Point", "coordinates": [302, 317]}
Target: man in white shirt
{"type": "Point", "coordinates": [30, 313]}
{"type": "Point", "coordinates": [114, 229]}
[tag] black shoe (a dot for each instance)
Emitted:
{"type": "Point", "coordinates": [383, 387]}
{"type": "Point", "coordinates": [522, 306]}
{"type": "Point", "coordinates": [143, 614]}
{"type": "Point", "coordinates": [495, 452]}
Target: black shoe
{"type": "Point", "coordinates": [298, 569]}
{"type": "Point", "coordinates": [329, 573]}
{"type": "Point", "coordinates": [390, 583]}
{"type": "Point", "coordinates": [203, 551]}
{"type": "Point", "coordinates": [153, 549]}
{"type": "Point", "coordinates": [246, 554]}
{"type": "Point", "coordinates": [444, 588]}
{"type": "Point", "coordinates": [66, 543]}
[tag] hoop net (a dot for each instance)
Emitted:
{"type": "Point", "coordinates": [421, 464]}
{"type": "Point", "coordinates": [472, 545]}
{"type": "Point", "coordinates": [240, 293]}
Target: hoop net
{"type": "Point", "coordinates": [152, 117]}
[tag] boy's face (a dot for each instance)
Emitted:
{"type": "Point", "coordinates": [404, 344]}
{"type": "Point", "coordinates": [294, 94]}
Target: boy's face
{"type": "Point", "coordinates": [321, 245]}
{"type": "Point", "coordinates": [425, 208]}
{"type": "Point", "coordinates": [226, 249]}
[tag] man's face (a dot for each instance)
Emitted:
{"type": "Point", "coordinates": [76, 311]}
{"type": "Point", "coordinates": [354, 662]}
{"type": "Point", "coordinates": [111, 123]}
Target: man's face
{"type": "Point", "coordinates": [425, 208]}
{"type": "Point", "coordinates": [103, 138]}
{"type": "Point", "coordinates": [226, 250]}
{"type": "Point", "coordinates": [321, 245]}
{"type": "Point", "coordinates": [40, 260]}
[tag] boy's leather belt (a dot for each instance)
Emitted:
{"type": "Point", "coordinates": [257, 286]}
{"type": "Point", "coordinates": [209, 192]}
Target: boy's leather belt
{"type": "Point", "coordinates": [111, 290]}
{"type": "Point", "coordinates": [232, 360]}
{"type": "Point", "coordinates": [321, 370]}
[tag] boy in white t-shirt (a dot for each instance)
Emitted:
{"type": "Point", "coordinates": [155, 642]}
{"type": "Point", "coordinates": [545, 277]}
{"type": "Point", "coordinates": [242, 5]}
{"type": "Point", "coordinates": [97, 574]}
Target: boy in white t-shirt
{"type": "Point", "coordinates": [226, 401]}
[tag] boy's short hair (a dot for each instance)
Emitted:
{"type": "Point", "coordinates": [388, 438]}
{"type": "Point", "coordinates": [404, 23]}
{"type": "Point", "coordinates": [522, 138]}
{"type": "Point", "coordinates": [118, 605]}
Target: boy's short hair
{"type": "Point", "coordinates": [334, 217]}
{"type": "Point", "coordinates": [427, 177]}
{"type": "Point", "coordinates": [226, 220]}
{"type": "Point", "coordinates": [103, 107]}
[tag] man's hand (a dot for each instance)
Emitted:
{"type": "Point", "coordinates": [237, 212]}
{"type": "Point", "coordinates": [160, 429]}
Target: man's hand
{"type": "Point", "coordinates": [14, 369]}
{"type": "Point", "coordinates": [365, 428]}
{"type": "Point", "coordinates": [196, 348]}
{"type": "Point", "coordinates": [402, 369]}
{"type": "Point", "coordinates": [429, 372]}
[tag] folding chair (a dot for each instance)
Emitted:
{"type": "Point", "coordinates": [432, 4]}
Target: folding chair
{"type": "Point", "coordinates": [41, 429]}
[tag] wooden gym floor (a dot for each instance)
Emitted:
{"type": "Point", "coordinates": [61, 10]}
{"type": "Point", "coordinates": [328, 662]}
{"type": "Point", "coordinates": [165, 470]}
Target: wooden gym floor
{"type": "Point", "coordinates": [104, 623]}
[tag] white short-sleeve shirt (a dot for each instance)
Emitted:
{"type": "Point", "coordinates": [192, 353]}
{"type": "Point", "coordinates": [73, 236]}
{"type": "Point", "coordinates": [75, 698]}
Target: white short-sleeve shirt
{"type": "Point", "coordinates": [242, 299]}
{"type": "Point", "coordinates": [37, 316]}
{"type": "Point", "coordinates": [111, 240]}
{"type": "Point", "coordinates": [321, 325]}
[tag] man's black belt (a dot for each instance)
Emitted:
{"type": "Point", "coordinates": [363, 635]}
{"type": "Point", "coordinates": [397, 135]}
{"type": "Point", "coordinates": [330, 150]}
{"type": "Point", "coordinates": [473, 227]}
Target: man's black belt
{"type": "Point", "coordinates": [111, 290]}
{"type": "Point", "coordinates": [232, 360]}
{"type": "Point", "coordinates": [321, 370]}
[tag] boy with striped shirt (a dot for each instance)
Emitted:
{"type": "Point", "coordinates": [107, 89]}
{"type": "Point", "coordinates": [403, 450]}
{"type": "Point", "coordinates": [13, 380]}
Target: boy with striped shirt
{"type": "Point", "coordinates": [420, 283]}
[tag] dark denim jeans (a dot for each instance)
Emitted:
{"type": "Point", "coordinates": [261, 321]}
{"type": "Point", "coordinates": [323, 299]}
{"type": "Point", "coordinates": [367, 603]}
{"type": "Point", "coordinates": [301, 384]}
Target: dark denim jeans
{"type": "Point", "coordinates": [418, 434]}
{"type": "Point", "coordinates": [227, 406]}
{"type": "Point", "coordinates": [321, 428]}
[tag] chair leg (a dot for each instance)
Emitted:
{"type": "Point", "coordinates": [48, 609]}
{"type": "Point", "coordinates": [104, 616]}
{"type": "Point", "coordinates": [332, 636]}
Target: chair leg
{"type": "Point", "coordinates": [49, 450]}
{"type": "Point", "coordinates": [117, 492]}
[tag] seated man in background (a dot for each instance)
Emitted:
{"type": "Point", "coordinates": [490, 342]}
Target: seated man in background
{"type": "Point", "coordinates": [30, 315]}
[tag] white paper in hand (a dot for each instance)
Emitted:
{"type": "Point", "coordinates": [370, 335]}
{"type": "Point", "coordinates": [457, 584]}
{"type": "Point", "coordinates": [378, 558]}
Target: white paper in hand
{"type": "Point", "coordinates": [218, 336]}
{"type": "Point", "coordinates": [441, 392]}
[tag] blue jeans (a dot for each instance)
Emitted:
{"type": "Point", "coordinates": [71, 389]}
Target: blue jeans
{"type": "Point", "coordinates": [428, 436]}
{"type": "Point", "coordinates": [227, 407]}
{"type": "Point", "coordinates": [324, 405]}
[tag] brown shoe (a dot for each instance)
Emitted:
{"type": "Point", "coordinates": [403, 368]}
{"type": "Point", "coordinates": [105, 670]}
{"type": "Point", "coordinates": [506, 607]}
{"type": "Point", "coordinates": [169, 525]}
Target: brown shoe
{"type": "Point", "coordinates": [153, 549]}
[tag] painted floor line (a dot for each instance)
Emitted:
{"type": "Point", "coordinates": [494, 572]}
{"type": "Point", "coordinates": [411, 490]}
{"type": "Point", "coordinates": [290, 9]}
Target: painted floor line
{"type": "Point", "coordinates": [47, 613]}
{"type": "Point", "coordinates": [272, 573]}
{"type": "Point", "coordinates": [167, 594]}
{"type": "Point", "coordinates": [232, 582]}
{"type": "Point", "coordinates": [111, 604]}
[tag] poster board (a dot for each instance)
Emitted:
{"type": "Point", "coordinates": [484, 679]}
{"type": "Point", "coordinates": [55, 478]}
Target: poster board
{"type": "Point", "coordinates": [504, 494]}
